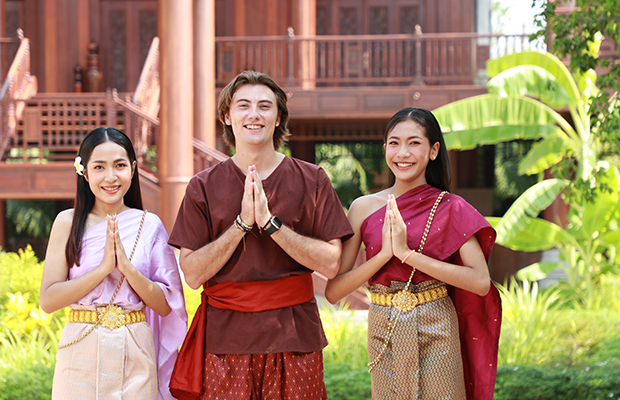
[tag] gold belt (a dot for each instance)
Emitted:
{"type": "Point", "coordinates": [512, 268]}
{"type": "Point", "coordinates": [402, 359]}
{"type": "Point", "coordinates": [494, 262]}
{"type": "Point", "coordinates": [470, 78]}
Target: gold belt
{"type": "Point", "coordinates": [110, 317]}
{"type": "Point", "coordinates": [406, 300]}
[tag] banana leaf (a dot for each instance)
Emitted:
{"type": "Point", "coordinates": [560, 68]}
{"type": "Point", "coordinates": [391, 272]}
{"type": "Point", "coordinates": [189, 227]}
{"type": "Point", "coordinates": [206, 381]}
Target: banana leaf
{"type": "Point", "coordinates": [537, 235]}
{"type": "Point", "coordinates": [488, 119]}
{"type": "Point", "coordinates": [533, 81]}
{"type": "Point", "coordinates": [531, 202]}
{"type": "Point", "coordinates": [537, 271]}
{"type": "Point", "coordinates": [544, 60]}
{"type": "Point", "coordinates": [544, 154]}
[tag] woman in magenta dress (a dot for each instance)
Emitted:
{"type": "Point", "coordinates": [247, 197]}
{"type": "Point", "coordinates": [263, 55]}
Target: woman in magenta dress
{"type": "Point", "coordinates": [109, 261]}
{"type": "Point", "coordinates": [435, 315]}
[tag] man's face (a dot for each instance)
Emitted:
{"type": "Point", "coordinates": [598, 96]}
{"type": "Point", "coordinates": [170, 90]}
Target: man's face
{"type": "Point", "coordinates": [253, 115]}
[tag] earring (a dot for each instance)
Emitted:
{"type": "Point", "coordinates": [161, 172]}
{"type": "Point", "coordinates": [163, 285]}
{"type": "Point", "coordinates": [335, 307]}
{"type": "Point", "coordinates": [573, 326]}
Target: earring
{"type": "Point", "coordinates": [433, 157]}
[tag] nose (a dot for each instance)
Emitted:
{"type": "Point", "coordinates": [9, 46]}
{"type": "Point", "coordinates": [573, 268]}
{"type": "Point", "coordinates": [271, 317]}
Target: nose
{"type": "Point", "coordinates": [253, 112]}
{"type": "Point", "coordinates": [403, 151]}
{"type": "Point", "coordinates": [110, 175]}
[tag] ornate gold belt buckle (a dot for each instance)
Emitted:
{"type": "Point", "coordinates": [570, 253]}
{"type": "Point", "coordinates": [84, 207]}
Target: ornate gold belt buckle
{"type": "Point", "coordinates": [112, 317]}
{"type": "Point", "coordinates": [404, 301]}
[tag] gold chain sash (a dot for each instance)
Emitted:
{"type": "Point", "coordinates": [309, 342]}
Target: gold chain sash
{"type": "Point", "coordinates": [404, 300]}
{"type": "Point", "coordinates": [112, 316]}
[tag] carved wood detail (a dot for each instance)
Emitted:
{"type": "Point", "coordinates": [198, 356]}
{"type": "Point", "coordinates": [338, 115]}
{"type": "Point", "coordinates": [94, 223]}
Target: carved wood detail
{"type": "Point", "coordinates": [118, 50]}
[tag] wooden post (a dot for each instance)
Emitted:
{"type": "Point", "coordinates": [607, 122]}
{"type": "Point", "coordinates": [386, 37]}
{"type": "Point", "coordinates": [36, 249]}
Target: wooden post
{"type": "Point", "coordinates": [177, 104]}
{"type": "Point", "coordinates": [2, 225]}
{"type": "Point", "coordinates": [304, 24]}
{"type": "Point", "coordinates": [204, 72]}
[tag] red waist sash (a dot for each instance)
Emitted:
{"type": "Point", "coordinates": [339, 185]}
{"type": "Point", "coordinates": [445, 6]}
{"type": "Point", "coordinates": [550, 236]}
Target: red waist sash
{"type": "Point", "coordinates": [187, 376]}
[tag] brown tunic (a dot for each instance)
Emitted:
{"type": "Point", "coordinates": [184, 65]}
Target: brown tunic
{"type": "Point", "coordinates": [302, 196]}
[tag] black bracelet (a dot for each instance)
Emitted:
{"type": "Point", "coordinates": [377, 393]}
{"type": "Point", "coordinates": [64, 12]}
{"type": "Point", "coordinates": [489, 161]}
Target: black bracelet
{"type": "Point", "coordinates": [242, 225]}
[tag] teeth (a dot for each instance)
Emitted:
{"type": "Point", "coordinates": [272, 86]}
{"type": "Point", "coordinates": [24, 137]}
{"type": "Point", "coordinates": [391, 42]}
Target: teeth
{"type": "Point", "coordinates": [253, 126]}
{"type": "Point", "coordinates": [403, 165]}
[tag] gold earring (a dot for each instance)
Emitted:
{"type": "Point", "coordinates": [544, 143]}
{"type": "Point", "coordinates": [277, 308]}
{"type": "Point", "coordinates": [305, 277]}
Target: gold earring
{"type": "Point", "coordinates": [433, 157]}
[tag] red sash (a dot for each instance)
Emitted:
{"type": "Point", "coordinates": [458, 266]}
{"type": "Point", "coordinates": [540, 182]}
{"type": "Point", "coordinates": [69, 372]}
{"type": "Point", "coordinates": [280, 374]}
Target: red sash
{"type": "Point", "coordinates": [187, 376]}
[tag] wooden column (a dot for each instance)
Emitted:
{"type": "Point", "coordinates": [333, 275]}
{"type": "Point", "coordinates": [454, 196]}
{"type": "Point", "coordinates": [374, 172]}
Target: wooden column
{"type": "Point", "coordinates": [2, 22]}
{"type": "Point", "coordinates": [204, 72]}
{"type": "Point", "coordinates": [177, 104]}
{"type": "Point", "coordinates": [304, 24]}
{"type": "Point", "coordinates": [2, 225]}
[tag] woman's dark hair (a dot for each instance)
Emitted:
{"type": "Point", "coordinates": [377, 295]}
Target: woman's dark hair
{"type": "Point", "coordinates": [85, 199]}
{"type": "Point", "coordinates": [281, 132]}
{"type": "Point", "coordinates": [438, 172]}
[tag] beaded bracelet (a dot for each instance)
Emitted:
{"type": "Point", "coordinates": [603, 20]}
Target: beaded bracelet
{"type": "Point", "coordinates": [242, 225]}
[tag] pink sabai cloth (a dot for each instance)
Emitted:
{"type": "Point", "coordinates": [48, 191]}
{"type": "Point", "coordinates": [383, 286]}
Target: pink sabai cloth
{"type": "Point", "coordinates": [453, 224]}
{"type": "Point", "coordinates": [155, 259]}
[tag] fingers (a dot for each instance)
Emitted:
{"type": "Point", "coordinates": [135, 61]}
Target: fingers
{"type": "Point", "coordinates": [247, 202]}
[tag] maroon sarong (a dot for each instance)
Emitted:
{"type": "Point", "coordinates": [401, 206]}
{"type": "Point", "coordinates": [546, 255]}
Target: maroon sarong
{"type": "Point", "coordinates": [187, 377]}
{"type": "Point", "coordinates": [264, 376]}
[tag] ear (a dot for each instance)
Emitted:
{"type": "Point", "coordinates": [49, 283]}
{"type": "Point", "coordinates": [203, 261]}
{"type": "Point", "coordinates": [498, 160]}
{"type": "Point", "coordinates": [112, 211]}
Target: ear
{"type": "Point", "coordinates": [278, 120]}
{"type": "Point", "coordinates": [134, 166]}
{"type": "Point", "coordinates": [227, 119]}
{"type": "Point", "coordinates": [435, 150]}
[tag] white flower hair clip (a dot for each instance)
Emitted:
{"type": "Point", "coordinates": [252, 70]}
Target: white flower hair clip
{"type": "Point", "coordinates": [79, 168]}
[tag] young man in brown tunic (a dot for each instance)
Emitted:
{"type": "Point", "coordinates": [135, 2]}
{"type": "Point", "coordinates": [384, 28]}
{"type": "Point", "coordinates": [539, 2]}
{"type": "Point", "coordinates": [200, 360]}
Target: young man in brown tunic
{"type": "Point", "coordinates": [251, 230]}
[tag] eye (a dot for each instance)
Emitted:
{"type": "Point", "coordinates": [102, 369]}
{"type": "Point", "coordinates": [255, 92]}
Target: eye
{"type": "Point", "coordinates": [121, 165]}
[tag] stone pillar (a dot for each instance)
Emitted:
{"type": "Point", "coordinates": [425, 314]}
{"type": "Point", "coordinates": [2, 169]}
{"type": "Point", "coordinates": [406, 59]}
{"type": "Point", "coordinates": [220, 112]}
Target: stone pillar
{"type": "Point", "coordinates": [304, 24]}
{"type": "Point", "coordinates": [204, 72]}
{"type": "Point", "coordinates": [177, 104]}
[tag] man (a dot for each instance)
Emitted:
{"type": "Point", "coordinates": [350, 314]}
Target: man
{"type": "Point", "coordinates": [251, 230]}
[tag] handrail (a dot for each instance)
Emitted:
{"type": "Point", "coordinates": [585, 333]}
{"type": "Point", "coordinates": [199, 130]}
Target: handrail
{"type": "Point", "coordinates": [147, 91]}
{"type": "Point", "coordinates": [19, 85]}
{"type": "Point", "coordinates": [366, 60]}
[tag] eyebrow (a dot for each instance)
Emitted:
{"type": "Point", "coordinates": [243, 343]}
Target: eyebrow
{"type": "Point", "coordinates": [410, 137]}
{"type": "Point", "coordinates": [115, 161]}
{"type": "Point", "coordinates": [248, 101]}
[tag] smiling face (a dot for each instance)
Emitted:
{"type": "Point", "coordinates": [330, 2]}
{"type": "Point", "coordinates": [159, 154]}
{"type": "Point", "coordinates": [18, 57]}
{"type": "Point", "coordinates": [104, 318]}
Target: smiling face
{"type": "Point", "coordinates": [408, 152]}
{"type": "Point", "coordinates": [109, 173]}
{"type": "Point", "coordinates": [253, 115]}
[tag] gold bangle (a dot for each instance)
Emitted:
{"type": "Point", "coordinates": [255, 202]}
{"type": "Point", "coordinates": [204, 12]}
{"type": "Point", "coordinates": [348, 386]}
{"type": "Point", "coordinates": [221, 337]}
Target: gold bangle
{"type": "Point", "coordinates": [407, 256]}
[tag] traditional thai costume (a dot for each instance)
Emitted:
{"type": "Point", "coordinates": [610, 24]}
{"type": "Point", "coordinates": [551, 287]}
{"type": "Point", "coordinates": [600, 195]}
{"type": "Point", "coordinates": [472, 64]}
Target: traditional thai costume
{"type": "Point", "coordinates": [257, 333]}
{"type": "Point", "coordinates": [129, 354]}
{"type": "Point", "coordinates": [446, 346]}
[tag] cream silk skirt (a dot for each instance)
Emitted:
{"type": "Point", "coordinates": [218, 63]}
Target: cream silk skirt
{"type": "Point", "coordinates": [106, 364]}
{"type": "Point", "coordinates": [423, 359]}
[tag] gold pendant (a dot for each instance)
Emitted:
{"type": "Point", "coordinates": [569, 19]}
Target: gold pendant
{"type": "Point", "coordinates": [112, 317]}
{"type": "Point", "coordinates": [404, 301]}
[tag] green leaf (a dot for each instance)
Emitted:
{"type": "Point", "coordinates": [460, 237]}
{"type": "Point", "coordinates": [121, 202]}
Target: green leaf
{"type": "Point", "coordinates": [488, 119]}
{"type": "Point", "coordinates": [531, 202]}
{"type": "Point", "coordinates": [544, 60]}
{"type": "Point", "coordinates": [536, 271]}
{"type": "Point", "coordinates": [537, 235]}
{"type": "Point", "coordinates": [543, 155]}
{"type": "Point", "coordinates": [611, 238]}
{"type": "Point", "coordinates": [533, 81]}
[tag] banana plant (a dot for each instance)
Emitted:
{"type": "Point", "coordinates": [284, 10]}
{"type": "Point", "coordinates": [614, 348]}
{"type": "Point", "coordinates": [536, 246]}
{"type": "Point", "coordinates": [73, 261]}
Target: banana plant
{"type": "Point", "coordinates": [588, 246]}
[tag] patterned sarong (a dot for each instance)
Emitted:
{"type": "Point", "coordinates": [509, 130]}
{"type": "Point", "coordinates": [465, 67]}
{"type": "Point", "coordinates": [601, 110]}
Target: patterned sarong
{"type": "Point", "coordinates": [106, 364]}
{"type": "Point", "coordinates": [423, 359]}
{"type": "Point", "coordinates": [275, 376]}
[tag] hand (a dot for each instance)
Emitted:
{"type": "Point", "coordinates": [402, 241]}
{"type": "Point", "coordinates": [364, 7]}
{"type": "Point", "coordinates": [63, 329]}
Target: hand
{"type": "Point", "coordinates": [247, 203]}
{"type": "Point", "coordinates": [386, 235]}
{"type": "Point", "coordinates": [400, 248]}
{"type": "Point", "coordinates": [261, 204]}
{"type": "Point", "coordinates": [109, 255]}
{"type": "Point", "coordinates": [122, 262]}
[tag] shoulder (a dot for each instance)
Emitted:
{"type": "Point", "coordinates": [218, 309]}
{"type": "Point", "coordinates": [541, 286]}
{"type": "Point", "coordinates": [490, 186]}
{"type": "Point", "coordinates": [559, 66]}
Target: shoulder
{"type": "Point", "coordinates": [62, 223]}
{"type": "Point", "coordinates": [364, 206]}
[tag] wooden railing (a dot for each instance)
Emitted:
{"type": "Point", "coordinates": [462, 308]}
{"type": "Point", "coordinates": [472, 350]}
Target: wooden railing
{"type": "Point", "coordinates": [18, 85]}
{"type": "Point", "coordinates": [147, 91]}
{"type": "Point", "coordinates": [366, 60]}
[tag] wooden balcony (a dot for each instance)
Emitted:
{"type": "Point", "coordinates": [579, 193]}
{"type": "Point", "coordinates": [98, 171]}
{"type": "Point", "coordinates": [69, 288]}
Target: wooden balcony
{"type": "Point", "coordinates": [366, 60]}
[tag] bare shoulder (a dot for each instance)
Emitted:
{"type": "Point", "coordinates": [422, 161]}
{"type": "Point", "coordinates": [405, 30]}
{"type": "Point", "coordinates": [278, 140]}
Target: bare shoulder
{"type": "Point", "coordinates": [364, 206]}
{"type": "Point", "coordinates": [62, 223]}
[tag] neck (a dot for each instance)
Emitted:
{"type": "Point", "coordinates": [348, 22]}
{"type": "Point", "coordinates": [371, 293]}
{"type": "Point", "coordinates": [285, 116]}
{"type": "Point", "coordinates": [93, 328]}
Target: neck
{"type": "Point", "coordinates": [102, 209]}
{"type": "Point", "coordinates": [265, 160]}
{"type": "Point", "coordinates": [401, 187]}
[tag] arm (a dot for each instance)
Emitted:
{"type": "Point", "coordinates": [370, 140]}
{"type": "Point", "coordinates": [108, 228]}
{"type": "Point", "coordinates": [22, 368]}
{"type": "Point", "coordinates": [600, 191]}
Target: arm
{"type": "Point", "coordinates": [350, 279]}
{"type": "Point", "coordinates": [56, 290]}
{"type": "Point", "coordinates": [201, 265]}
{"type": "Point", "coordinates": [473, 275]}
{"type": "Point", "coordinates": [316, 254]}
{"type": "Point", "coordinates": [149, 291]}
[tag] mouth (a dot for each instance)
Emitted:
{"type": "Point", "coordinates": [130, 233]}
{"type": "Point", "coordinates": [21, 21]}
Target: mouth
{"type": "Point", "coordinates": [402, 165]}
{"type": "Point", "coordinates": [111, 189]}
{"type": "Point", "coordinates": [253, 127]}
